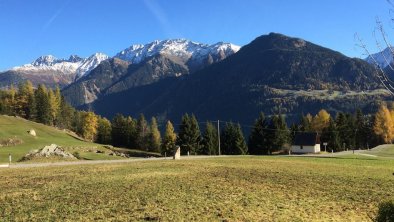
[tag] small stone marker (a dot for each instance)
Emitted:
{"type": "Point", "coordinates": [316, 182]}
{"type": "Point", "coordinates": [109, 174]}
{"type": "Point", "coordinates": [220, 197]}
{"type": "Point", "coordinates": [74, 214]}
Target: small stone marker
{"type": "Point", "coordinates": [32, 132]}
{"type": "Point", "coordinates": [177, 154]}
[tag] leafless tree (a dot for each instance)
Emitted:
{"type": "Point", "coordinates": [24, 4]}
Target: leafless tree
{"type": "Point", "coordinates": [381, 40]}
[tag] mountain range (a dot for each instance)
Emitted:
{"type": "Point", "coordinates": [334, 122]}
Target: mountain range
{"type": "Point", "coordinates": [274, 73]}
{"type": "Point", "coordinates": [52, 71]}
{"type": "Point", "coordinates": [141, 65]}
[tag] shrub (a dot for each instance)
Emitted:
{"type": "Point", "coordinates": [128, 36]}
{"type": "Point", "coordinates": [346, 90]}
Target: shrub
{"type": "Point", "coordinates": [386, 212]}
{"type": "Point", "coordinates": [77, 155]}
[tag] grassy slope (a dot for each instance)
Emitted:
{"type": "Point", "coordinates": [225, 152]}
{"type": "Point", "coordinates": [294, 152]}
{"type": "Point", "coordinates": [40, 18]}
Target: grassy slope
{"type": "Point", "coordinates": [12, 126]}
{"type": "Point", "coordinates": [234, 189]}
{"type": "Point", "coordinates": [382, 151]}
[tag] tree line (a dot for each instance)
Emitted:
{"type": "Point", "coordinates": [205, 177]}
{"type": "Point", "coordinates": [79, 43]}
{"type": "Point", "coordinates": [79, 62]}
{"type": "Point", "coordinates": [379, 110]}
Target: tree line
{"type": "Point", "coordinates": [267, 135]}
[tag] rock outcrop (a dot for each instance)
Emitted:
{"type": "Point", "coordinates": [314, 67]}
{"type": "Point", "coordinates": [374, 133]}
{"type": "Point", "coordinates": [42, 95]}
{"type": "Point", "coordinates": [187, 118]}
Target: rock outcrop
{"type": "Point", "coordinates": [48, 151]}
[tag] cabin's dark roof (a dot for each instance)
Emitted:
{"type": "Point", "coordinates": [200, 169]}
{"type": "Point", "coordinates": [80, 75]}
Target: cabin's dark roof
{"type": "Point", "coordinates": [306, 139]}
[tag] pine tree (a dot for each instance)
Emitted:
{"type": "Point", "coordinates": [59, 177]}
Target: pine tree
{"type": "Point", "coordinates": [278, 134]}
{"type": "Point", "coordinates": [232, 140]}
{"type": "Point", "coordinates": [258, 137]}
{"type": "Point", "coordinates": [294, 128]}
{"type": "Point", "coordinates": [306, 123]}
{"type": "Point", "coordinates": [168, 145]}
{"type": "Point", "coordinates": [21, 101]}
{"type": "Point", "coordinates": [31, 111]}
{"type": "Point", "coordinates": [119, 131]}
{"type": "Point", "coordinates": [341, 122]}
{"type": "Point", "coordinates": [104, 131]}
{"type": "Point", "coordinates": [351, 131]}
{"type": "Point", "coordinates": [189, 135]}
{"type": "Point", "coordinates": [210, 140]}
{"type": "Point", "coordinates": [130, 132]}
{"type": "Point", "coordinates": [11, 100]}
{"type": "Point", "coordinates": [42, 105]}
{"type": "Point", "coordinates": [142, 133]}
{"type": "Point", "coordinates": [52, 107]}
{"type": "Point", "coordinates": [66, 115]}
{"type": "Point", "coordinates": [154, 136]}
{"type": "Point", "coordinates": [361, 130]}
{"type": "Point", "coordinates": [76, 124]}
{"type": "Point", "coordinates": [330, 136]}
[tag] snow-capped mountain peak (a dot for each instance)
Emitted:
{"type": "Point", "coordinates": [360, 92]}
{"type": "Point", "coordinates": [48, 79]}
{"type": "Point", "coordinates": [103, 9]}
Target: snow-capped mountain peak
{"type": "Point", "coordinates": [74, 58]}
{"type": "Point", "coordinates": [89, 64]}
{"type": "Point", "coordinates": [182, 48]}
{"type": "Point", "coordinates": [74, 66]}
{"type": "Point", "coordinates": [44, 60]}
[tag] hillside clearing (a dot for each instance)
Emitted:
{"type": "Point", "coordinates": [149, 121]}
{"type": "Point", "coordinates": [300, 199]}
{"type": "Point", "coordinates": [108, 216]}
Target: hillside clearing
{"type": "Point", "coordinates": [233, 188]}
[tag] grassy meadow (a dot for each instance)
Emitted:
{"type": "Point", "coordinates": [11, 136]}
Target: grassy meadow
{"type": "Point", "coordinates": [13, 127]}
{"type": "Point", "coordinates": [216, 189]}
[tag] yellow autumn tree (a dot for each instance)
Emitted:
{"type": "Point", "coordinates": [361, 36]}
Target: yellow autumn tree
{"type": "Point", "coordinates": [54, 102]}
{"type": "Point", "coordinates": [169, 139]}
{"type": "Point", "coordinates": [320, 121]}
{"type": "Point", "coordinates": [89, 125]}
{"type": "Point", "coordinates": [384, 125]}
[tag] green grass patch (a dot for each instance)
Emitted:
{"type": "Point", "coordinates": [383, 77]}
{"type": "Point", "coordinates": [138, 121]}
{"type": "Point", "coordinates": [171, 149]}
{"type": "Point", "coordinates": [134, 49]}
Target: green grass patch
{"type": "Point", "coordinates": [216, 189]}
{"type": "Point", "coordinates": [386, 151]}
{"type": "Point", "coordinates": [13, 127]}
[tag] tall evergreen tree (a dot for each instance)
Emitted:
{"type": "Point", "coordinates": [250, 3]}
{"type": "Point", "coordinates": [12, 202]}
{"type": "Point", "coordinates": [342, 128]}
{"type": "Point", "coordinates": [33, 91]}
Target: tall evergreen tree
{"type": "Point", "coordinates": [169, 140]}
{"type": "Point", "coordinates": [341, 125]}
{"type": "Point", "coordinates": [119, 131]}
{"type": "Point", "coordinates": [66, 115]}
{"type": "Point", "coordinates": [142, 133]}
{"type": "Point", "coordinates": [31, 111]}
{"type": "Point", "coordinates": [294, 128]}
{"type": "Point", "coordinates": [232, 140]}
{"type": "Point", "coordinates": [189, 135]}
{"type": "Point", "coordinates": [306, 123]}
{"type": "Point", "coordinates": [330, 135]}
{"type": "Point", "coordinates": [154, 136]}
{"type": "Point", "coordinates": [210, 140]}
{"type": "Point", "coordinates": [131, 132]}
{"type": "Point", "coordinates": [278, 134]}
{"type": "Point", "coordinates": [361, 136]}
{"type": "Point", "coordinates": [258, 137]}
{"type": "Point", "coordinates": [21, 101]}
{"type": "Point", "coordinates": [42, 105]}
{"type": "Point", "coordinates": [11, 100]}
{"type": "Point", "coordinates": [350, 131]}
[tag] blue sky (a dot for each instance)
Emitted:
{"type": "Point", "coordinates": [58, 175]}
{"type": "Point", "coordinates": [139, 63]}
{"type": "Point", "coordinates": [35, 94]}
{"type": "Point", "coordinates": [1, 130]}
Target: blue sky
{"type": "Point", "coordinates": [30, 29]}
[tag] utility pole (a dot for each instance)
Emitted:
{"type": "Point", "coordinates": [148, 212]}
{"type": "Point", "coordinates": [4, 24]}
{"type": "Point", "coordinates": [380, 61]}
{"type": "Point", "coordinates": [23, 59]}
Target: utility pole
{"type": "Point", "coordinates": [219, 136]}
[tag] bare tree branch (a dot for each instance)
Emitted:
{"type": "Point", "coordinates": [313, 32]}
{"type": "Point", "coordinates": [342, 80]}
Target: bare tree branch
{"type": "Point", "coordinates": [386, 82]}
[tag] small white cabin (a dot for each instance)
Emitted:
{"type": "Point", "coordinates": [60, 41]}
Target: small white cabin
{"type": "Point", "coordinates": [306, 143]}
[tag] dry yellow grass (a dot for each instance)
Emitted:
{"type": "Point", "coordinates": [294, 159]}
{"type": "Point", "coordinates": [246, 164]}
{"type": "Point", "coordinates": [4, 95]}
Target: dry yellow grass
{"type": "Point", "coordinates": [232, 189]}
